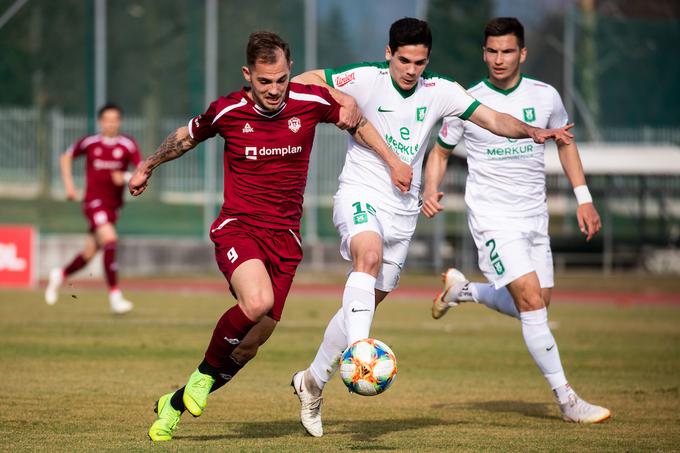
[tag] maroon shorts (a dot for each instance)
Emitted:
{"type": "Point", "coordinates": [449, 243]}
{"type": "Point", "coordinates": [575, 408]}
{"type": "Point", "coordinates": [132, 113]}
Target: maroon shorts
{"type": "Point", "coordinates": [279, 250]}
{"type": "Point", "coordinates": [98, 214]}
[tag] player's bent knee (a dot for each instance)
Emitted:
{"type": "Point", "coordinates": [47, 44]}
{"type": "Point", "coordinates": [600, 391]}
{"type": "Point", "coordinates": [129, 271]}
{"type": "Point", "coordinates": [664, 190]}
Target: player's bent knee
{"type": "Point", "coordinates": [257, 305]}
{"type": "Point", "coordinates": [368, 261]}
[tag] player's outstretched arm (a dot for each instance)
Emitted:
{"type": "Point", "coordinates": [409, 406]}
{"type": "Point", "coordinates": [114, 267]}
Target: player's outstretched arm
{"type": "Point", "coordinates": [508, 126]}
{"type": "Point", "coordinates": [401, 173]}
{"type": "Point", "coordinates": [174, 145]}
{"type": "Point", "coordinates": [350, 115]}
{"type": "Point", "coordinates": [435, 168]}
{"type": "Point", "coordinates": [588, 219]}
{"type": "Point", "coordinates": [66, 166]}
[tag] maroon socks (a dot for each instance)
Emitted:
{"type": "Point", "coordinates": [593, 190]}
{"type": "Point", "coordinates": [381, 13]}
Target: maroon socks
{"type": "Point", "coordinates": [230, 330]}
{"type": "Point", "coordinates": [74, 266]}
{"type": "Point", "coordinates": [110, 265]}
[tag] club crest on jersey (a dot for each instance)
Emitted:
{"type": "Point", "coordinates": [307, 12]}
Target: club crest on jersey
{"type": "Point", "coordinates": [529, 114]}
{"type": "Point", "coordinates": [248, 129]}
{"type": "Point", "coordinates": [294, 124]}
{"type": "Point", "coordinates": [117, 153]}
{"type": "Point", "coordinates": [97, 151]}
{"type": "Point", "coordinates": [420, 113]}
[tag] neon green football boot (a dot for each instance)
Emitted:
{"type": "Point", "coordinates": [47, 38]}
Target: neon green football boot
{"type": "Point", "coordinates": [196, 392]}
{"type": "Point", "coordinates": [166, 423]}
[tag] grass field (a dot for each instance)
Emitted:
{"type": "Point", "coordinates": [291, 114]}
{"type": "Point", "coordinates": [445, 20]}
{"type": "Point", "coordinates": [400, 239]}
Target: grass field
{"type": "Point", "coordinates": [75, 378]}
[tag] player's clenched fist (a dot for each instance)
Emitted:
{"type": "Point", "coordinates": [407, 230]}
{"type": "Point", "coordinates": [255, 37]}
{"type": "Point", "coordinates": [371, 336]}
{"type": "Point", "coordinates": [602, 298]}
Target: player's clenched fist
{"type": "Point", "coordinates": [139, 180]}
{"type": "Point", "coordinates": [431, 205]}
{"type": "Point", "coordinates": [401, 174]}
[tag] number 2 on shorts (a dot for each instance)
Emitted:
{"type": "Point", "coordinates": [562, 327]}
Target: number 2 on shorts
{"type": "Point", "coordinates": [495, 259]}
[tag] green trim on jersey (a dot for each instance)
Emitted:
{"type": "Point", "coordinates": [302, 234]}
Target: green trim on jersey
{"type": "Point", "coordinates": [429, 75]}
{"type": "Point", "coordinates": [329, 72]}
{"type": "Point", "coordinates": [404, 93]}
{"type": "Point", "coordinates": [501, 91]}
{"type": "Point", "coordinates": [443, 144]}
{"type": "Point", "coordinates": [466, 114]}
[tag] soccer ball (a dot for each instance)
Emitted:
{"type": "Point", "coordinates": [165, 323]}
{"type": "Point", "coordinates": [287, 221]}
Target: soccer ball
{"type": "Point", "coordinates": [368, 367]}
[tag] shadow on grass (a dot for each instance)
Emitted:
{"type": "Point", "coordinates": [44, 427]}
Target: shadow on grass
{"type": "Point", "coordinates": [360, 430]}
{"type": "Point", "coordinates": [536, 410]}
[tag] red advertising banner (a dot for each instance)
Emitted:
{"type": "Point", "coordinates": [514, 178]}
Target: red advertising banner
{"type": "Point", "coordinates": [17, 255]}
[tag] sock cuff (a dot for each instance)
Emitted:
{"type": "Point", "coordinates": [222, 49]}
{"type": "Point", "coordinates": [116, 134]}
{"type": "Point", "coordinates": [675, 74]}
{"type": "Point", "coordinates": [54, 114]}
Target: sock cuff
{"type": "Point", "coordinates": [534, 317]}
{"type": "Point", "coordinates": [110, 245]}
{"type": "Point", "coordinates": [361, 280]}
{"type": "Point", "coordinates": [239, 320]}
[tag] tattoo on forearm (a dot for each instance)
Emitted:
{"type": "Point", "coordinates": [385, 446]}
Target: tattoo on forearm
{"type": "Point", "coordinates": [171, 148]}
{"type": "Point", "coordinates": [356, 129]}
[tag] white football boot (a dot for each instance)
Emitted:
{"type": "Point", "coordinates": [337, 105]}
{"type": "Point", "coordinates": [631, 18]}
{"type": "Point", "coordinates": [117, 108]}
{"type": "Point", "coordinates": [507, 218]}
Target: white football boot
{"type": "Point", "coordinates": [455, 285]}
{"type": "Point", "coordinates": [310, 410]}
{"type": "Point", "coordinates": [577, 410]}
{"type": "Point", "coordinates": [119, 305]}
{"type": "Point", "coordinates": [53, 284]}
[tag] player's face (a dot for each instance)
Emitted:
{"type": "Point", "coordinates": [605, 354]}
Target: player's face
{"type": "Point", "coordinates": [109, 122]}
{"type": "Point", "coordinates": [407, 64]}
{"type": "Point", "coordinates": [269, 82]}
{"type": "Point", "coordinates": [503, 56]}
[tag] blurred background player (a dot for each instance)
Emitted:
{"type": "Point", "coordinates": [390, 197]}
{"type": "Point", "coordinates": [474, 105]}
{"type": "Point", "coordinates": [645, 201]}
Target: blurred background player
{"type": "Point", "coordinates": [109, 154]}
{"type": "Point", "coordinates": [507, 209]}
{"type": "Point", "coordinates": [375, 218]}
{"type": "Point", "coordinates": [268, 130]}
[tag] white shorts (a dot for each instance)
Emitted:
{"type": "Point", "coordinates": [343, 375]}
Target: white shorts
{"type": "Point", "coordinates": [354, 213]}
{"type": "Point", "coordinates": [511, 247]}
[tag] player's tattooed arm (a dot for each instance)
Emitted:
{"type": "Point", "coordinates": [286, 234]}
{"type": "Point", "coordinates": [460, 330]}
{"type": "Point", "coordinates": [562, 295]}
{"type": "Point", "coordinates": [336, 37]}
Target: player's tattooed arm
{"type": "Point", "coordinates": [401, 173]}
{"type": "Point", "coordinates": [174, 146]}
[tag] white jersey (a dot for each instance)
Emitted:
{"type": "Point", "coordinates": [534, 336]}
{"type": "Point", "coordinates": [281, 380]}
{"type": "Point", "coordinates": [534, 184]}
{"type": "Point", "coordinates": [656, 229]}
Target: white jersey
{"type": "Point", "coordinates": [403, 118]}
{"type": "Point", "coordinates": [506, 177]}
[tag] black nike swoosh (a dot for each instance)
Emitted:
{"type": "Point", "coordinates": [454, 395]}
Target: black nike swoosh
{"type": "Point", "coordinates": [354, 310]}
{"type": "Point", "coordinates": [548, 349]}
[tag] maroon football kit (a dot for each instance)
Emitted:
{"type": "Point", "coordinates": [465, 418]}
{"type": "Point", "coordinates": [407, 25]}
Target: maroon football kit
{"type": "Point", "coordinates": [266, 159]}
{"type": "Point", "coordinates": [104, 155]}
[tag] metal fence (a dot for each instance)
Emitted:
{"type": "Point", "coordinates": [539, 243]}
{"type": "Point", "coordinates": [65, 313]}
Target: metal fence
{"type": "Point", "coordinates": [641, 213]}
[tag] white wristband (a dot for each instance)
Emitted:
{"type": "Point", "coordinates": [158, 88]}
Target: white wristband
{"type": "Point", "coordinates": [127, 176]}
{"type": "Point", "coordinates": [582, 194]}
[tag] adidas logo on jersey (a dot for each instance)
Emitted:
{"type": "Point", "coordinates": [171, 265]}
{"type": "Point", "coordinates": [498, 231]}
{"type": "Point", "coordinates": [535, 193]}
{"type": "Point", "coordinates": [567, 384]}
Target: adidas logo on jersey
{"type": "Point", "coordinates": [247, 129]}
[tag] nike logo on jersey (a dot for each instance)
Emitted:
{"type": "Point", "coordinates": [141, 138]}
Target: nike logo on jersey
{"type": "Point", "coordinates": [354, 310]}
{"type": "Point", "coordinates": [380, 109]}
{"type": "Point", "coordinates": [550, 348]}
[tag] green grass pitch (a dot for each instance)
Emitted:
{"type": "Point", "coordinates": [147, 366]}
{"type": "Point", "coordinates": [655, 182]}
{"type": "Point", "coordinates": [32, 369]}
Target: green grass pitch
{"type": "Point", "coordinates": [76, 378]}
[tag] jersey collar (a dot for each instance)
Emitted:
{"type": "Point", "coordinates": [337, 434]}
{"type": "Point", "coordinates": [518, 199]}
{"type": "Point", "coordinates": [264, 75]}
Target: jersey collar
{"type": "Point", "coordinates": [404, 93]}
{"type": "Point", "coordinates": [501, 91]}
{"type": "Point", "coordinates": [260, 110]}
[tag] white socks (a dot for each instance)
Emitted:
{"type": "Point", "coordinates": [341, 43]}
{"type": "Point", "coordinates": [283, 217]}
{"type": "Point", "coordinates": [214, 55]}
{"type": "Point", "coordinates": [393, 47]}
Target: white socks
{"type": "Point", "coordinates": [358, 305]}
{"type": "Point", "coordinates": [334, 343]}
{"type": "Point", "coordinates": [351, 323]}
{"type": "Point", "coordinates": [542, 347]}
{"type": "Point", "coordinates": [497, 299]}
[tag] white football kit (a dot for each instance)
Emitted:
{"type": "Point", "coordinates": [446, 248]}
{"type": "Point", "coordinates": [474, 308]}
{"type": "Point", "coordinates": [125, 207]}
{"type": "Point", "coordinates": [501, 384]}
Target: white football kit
{"type": "Point", "coordinates": [366, 199]}
{"type": "Point", "coordinates": [505, 188]}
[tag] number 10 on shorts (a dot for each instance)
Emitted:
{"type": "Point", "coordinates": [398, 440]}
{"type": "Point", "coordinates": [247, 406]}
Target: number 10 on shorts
{"type": "Point", "coordinates": [361, 215]}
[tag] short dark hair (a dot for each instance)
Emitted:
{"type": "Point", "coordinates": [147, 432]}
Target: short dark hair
{"type": "Point", "coordinates": [109, 106]}
{"type": "Point", "coordinates": [502, 26]}
{"type": "Point", "coordinates": [410, 31]}
{"type": "Point", "coordinates": [262, 46]}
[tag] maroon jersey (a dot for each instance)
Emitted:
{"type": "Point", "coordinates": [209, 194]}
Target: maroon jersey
{"type": "Point", "coordinates": [104, 156]}
{"type": "Point", "coordinates": [266, 154]}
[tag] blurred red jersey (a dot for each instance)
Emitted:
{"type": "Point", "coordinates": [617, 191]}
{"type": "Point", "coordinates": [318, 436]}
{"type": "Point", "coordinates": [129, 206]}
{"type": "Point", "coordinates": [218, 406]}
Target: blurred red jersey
{"type": "Point", "coordinates": [104, 156]}
{"type": "Point", "coordinates": [266, 154]}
